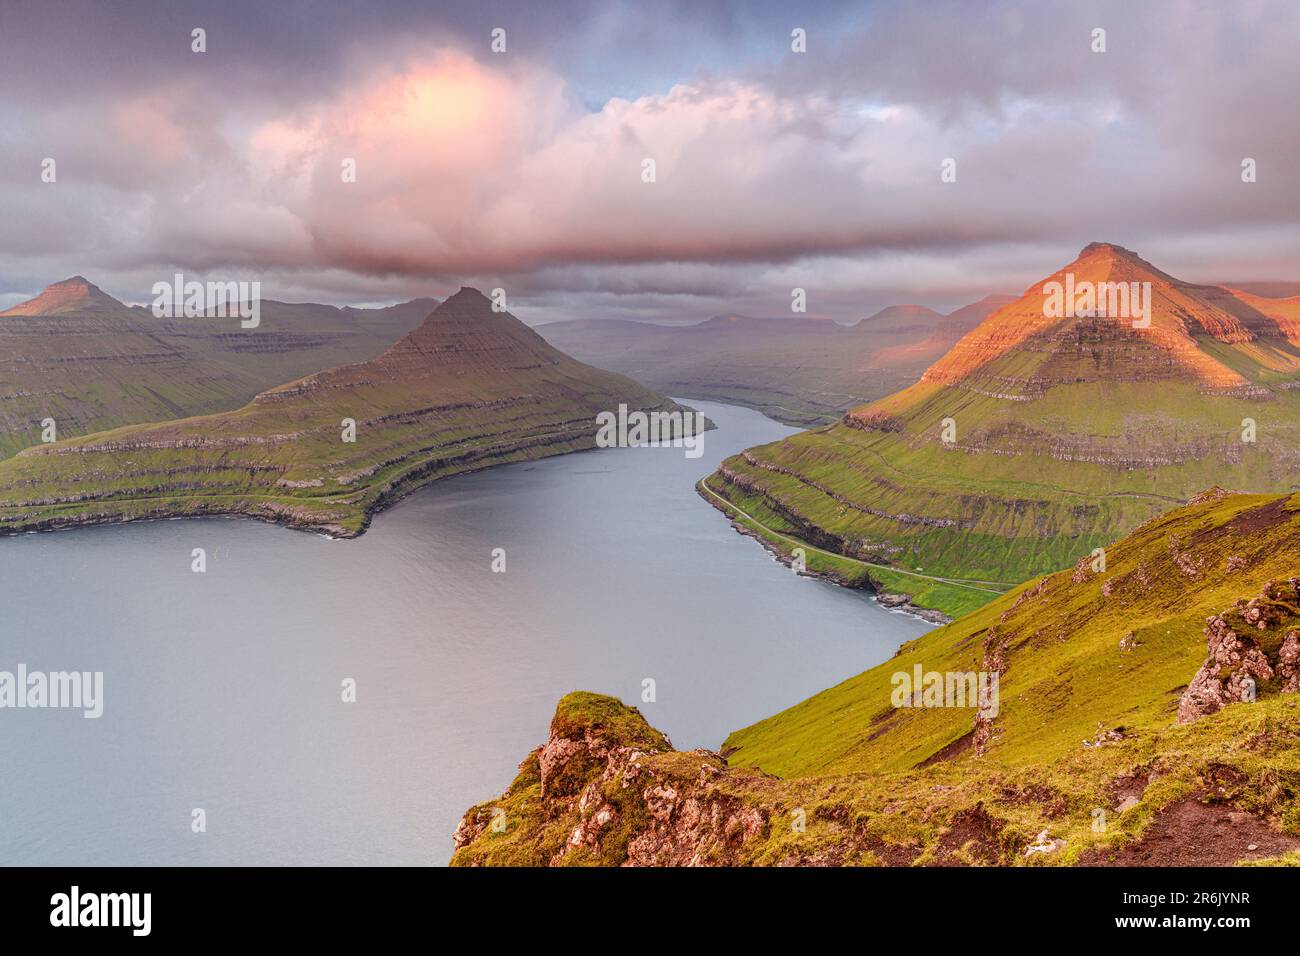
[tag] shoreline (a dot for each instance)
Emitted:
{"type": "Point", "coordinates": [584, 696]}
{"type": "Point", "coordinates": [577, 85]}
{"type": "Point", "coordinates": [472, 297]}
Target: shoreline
{"type": "Point", "coordinates": [337, 520]}
{"type": "Point", "coordinates": [888, 600]}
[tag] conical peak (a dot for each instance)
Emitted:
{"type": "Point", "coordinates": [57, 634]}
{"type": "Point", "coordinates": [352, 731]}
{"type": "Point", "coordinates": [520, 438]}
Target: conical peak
{"type": "Point", "coordinates": [1107, 258]}
{"type": "Point", "coordinates": [76, 284]}
{"type": "Point", "coordinates": [1109, 315]}
{"type": "Point", "coordinates": [470, 305]}
{"type": "Point", "coordinates": [469, 329]}
{"type": "Point", "coordinates": [74, 294]}
{"type": "Point", "coordinates": [1108, 249]}
{"type": "Point", "coordinates": [467, 295]}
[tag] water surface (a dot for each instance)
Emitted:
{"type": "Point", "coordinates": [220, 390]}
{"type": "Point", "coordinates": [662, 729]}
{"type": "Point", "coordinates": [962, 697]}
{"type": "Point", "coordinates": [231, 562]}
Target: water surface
{"type": "Point", "coordinates": [223, 689]}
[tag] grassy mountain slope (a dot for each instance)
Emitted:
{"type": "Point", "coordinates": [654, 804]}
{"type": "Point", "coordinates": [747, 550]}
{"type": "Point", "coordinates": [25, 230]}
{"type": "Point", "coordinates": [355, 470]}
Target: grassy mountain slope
{"type": "Point", "coordinates": [469, 388]}
{"type": "Point", "coordinates": [1085, 758]}
{"type": "Point", "coordinates": [77, 355]}
{"type": "Point", "coordinates": [1068, 433]}
{"type": "Point", "coordinates": [1065, 671]}
{"type": "Point", "coordinates": [798, 371]}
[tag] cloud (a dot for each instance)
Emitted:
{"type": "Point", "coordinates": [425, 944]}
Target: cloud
{"type": "Point", "coordinates": [820, 169]}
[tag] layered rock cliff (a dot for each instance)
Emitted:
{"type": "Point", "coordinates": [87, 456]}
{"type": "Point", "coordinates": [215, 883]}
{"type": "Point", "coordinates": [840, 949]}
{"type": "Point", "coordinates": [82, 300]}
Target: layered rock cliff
{"type": "Point", "coordinates": [469, 388]}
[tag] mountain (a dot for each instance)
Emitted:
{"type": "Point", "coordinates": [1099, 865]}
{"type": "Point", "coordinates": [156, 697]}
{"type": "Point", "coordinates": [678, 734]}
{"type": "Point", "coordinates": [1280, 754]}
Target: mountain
{"type": "Point", "coordinates": [1023, 348]}
{"type": "Point", "coordinates": [1269, 290]}
{"type": "Point", "coordinates": [468, 388]}
{"type": "Point", "coordinates": [800, 371]}
{"type": "Point", "coordinates": [1037, 437]}
{"type": "Point", "coordinates": [901, 318]}
{"type": "Point", "coordinates": [1285, 311]}
{"type": "Point", "coordinates": [1118, 733]}
{"type": "Point", "coordinates": [79, 356]}
{"type": "Point", "coordinates": [77, 294]}
{"type": "Point", "coordinates": [924, 334]}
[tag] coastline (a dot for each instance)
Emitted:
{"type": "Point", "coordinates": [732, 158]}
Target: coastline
{"type": "Point", "coordinates": [336, 517]}
{"type": "Point", "coordinates": [888, 600]}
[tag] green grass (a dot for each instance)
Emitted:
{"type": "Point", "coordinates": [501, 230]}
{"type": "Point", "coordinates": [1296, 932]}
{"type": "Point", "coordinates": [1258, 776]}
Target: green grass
{"type": "Point", "coordinates": [1025, 490]}
{"type": "Point", "coordinates": [1035, 440]}
{"type": "Point", "coordinates": [1066, 672]}
{"type": "Point", "coordinates": [468, 390]}
{"type": "Point", "coordinates": [1286, 859]}
{"type": "Point", "coordinates": [927, 593]}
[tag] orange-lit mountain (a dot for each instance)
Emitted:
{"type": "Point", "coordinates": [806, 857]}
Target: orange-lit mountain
{"type": "Point", "coordinates": [1041, 434]}
{"type": "Point", "coordinates": [77, 294]}
{"type": "Point", "coordinates": [1021, 349]}
{"type": "Point", "coordinates": [1284, 311]}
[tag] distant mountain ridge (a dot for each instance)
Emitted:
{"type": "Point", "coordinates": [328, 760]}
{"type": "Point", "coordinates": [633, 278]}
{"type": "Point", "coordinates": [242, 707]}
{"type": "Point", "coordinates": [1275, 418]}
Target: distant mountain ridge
{"type": "Point", "coordinates": [799, 370]}
{"type": "Point", "coordinates": [901, 316]}
{"type": "Point", "coordinates": [77, 355]}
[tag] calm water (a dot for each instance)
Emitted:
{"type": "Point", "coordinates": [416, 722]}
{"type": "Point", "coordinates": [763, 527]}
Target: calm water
{"type": "Point", "coordinates": [222, 690]}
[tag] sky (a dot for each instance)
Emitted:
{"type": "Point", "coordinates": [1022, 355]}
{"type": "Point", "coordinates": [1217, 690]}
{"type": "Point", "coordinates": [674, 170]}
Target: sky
{"type": "Point", "coordinates": [526, 169]}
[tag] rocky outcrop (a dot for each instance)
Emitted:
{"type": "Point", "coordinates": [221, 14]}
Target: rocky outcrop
{"type": "Point", "coordinates": [994, 662]}
{"type": "Point", "coordinates": [606, 789]}
{"type": "Point", "coordinates": [613, 791]}
{"type": "Point", "coordinates": [1251, 644]}
{"type": "Point", "coordinates": [873, 421]}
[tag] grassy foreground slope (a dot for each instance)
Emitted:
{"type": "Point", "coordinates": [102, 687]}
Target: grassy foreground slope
{"type": "Point", "coordinates": [1084, 762]}
{"type": "Point", "coordinates": [1037, 439]}
{"type": "Point", "coordinates": [77, 355]}
{"type": "Point", "coordinates": [1060, 636]}
{"type": "Point", "coordinates": [467, 389]}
